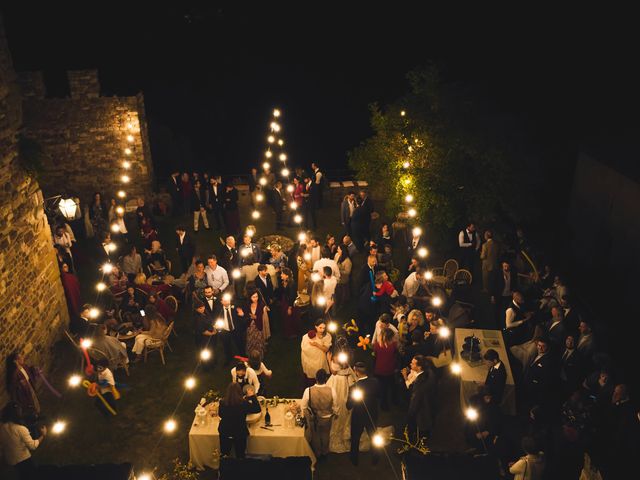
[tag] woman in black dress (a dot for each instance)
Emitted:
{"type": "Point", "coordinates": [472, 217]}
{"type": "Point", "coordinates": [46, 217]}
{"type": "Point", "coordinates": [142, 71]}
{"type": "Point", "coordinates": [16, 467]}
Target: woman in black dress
{"type": "Point", "coordinates": [233, 412]}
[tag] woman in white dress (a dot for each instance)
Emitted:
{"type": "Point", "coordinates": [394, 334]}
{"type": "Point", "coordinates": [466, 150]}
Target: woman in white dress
{"type": "Point", "coordinates": [313, 352]}
{"type": "Point", "coordinates": [341, 379]}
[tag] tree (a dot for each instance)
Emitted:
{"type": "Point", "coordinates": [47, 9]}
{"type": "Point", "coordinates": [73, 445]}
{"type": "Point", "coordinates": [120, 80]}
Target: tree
{"type": "Point", "coordinates": [455, 156]}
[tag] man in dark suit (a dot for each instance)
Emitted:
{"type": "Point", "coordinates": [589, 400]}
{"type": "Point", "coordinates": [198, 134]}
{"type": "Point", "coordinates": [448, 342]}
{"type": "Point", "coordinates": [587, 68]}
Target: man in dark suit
{"type": "Point", "coordinates": [105, 250]}
{"type": "Point", "coordinates": [555, 328]}
{"type": "Point", "coordinates": [496, 376]}
{"type": "Point", "coordinates": [204, 330]}
{"type": "Point", "coordinates": [209, 301]}
{"type": "Point", "coordinates": [229, 258]}
{"type": "Point", "coordinates": [363, 401]}
{"type": "Point", "coordinates": [419, 415]}
{"type": "Point", "coordinates": [361, 221]}
{"type": "Point", "coordinates": [213, 198]}
{"type": "Point", "coordinates": [347, 208]}
{"type": "Point", "coordinates": [571, 366]}
{"type": "Point", "coordinates": [249, 252]}
{"type": "Point", "coordinates": [264, 285]}
{"type": "Point", "coordinates": [231, 327]}
{"type": "Point", "coordinates": [278, 204]}
{"type": "Point", "coordinates": [184, 247]}
{"type": "Point", "coordinates": [416, 242]}
{"type": "Point", "coordinates": [368, 272]}
{"type": "Point", "coordinates": [572, 317]}
{"type": "Point", "coordinates": [539, 378]}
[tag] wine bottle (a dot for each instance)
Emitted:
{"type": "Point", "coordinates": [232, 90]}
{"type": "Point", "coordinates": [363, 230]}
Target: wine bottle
{"type": "Point", "coordinates": [267, 418]}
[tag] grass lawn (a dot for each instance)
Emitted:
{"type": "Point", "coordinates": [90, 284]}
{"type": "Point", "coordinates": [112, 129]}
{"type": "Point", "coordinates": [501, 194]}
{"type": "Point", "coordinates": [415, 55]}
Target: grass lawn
{"type": "Point", "coordinates": [155, 392]}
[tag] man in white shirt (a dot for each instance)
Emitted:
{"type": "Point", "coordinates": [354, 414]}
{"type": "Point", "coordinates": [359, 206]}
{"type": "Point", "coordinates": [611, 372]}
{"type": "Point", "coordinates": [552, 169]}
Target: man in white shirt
{"type": "Point", "coordinates": [412, 282]}
{"type": "Point", "coordinates": [216, 275]}
{"type": "Point", "coordinates": [383, 323]}
{"type": "Point", "coordinates": [469, 243]}
{"type": "Point", "coordinates": [321, 404]}
{"type": "Point", "coordinates": [245, 376]}
{"type": "Point", "coordinates": [314, 249]}
{"type": "Point", "coordinates": [330, 283]}
{"type": "Point", "coordinates": [17, 443]}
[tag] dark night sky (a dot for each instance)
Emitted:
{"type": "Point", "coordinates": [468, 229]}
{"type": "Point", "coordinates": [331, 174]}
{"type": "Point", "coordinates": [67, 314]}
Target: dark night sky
{"type": "Point", "coordinates": [211, 75]}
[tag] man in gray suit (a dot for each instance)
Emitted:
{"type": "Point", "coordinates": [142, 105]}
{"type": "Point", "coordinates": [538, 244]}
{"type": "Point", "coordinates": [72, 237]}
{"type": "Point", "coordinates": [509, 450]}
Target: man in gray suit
{"type": "Point", "coordinates": [489, 256]}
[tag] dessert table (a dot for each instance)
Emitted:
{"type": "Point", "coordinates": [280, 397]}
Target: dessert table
{"type": "Point", "coordinates": [280, 441]}
{"type": "Point", "coordinates": [474, 373]}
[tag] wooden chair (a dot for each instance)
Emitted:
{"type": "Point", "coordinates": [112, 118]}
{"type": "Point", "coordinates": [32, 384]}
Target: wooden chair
{"type": "Point", "coordinates": [152, 344]}
{"type": "Point", "coordinates": [444, 276]}
{"type": "Point", "coordinates": [172, 303]}
{"type": "Point", "coordinates": [463, 277]}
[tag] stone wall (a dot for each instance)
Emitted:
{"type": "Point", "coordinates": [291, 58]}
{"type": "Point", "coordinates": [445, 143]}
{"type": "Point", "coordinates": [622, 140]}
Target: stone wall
{"type": "Point", "coordinates": [84, 138]}
{"type": "Point", "coordinates": [33, 309]}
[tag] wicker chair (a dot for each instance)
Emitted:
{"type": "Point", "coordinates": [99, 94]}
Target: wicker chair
{"type": "Point", "coordinates": [172, 302]}
{"type": "Point", "coordinates": [463, 277]}
{"type": "Point", "coordinates": [443, 276]}
{"type": "Point", "coordinates": [152, 344]}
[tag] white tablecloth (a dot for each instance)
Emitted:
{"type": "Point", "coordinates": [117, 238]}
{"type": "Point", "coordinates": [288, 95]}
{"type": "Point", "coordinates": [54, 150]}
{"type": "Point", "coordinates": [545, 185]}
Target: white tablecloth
{"type": "Point", "coordinates": [476, 373]}
{"type": "Point", "coordinates": [204, 441]}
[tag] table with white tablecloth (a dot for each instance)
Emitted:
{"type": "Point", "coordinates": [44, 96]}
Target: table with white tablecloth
{"type": "Point", "coordinates": [280, 441]}
{"type": "Point", "coordinates": [474, 373]}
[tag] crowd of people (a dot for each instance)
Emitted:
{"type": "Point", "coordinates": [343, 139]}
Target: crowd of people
{"type": "Point", "coordinates": [570, 400]}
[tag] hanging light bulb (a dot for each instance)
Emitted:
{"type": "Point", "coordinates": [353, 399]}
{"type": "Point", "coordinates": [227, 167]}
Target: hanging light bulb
{"type": "Point", "coordinates": [428, 275]}
{"type": "Point", "coordinates": [290, 188]}
{"type": "Point", "coordinates": [307, 257]}
{"type": "Point", "coordinates": [250, 230]}
{"type": "Point", "coordinates": [412, 212]}
{"type": "Point", "coordinates": [101, 286]}
{"type": "Point", "coordinates": [275, 127]}
{"type": "Point", "coordinates": [417, 231]}
{"type": "Point", "coordinates": [405, 165]}
{"type": "Point", "coordinates": [271, 139]}
{"type": "Point", "coordinates": [126, 164]}
{"type": "Point", "coordinates": [144, 476]}
{"type": "Point", "coordinates": [407, 181]}
{"type": "Point", "coordinates": [276, 113]}
{"type": "Point", "coordinates": [122, 193]}
{"type": "Point", "coordinates": [226, 297]}
{"type": "Point", "coordinates": [205, 354]}
{"type": "Point", "coordinates": [130, 138]}
{"type": "Point", "coordinates": [321, 301]}
{"type": "Point", "coordinates": [86, 343]}
{"type": "Point", "coordinates": [107, 268]}
{"type": "Point", "coordinates": [302, 237]}
{"type": "Point", "coordinates": [281, 142]}
{"type": "Point", "coordinates": [130, 126]}
{"type": "Point", "coordinates": [58, 427]}
{"type": "Point", "coordinates": [423, 252]}
{"type": "Point", "coordinates": [293, 205]}
{"type": "Point", "coordinates": [283, 157]}
{"type": "Point", "coordinates": [125, 179]}
{"type": "Point", "coordinates": [343, 357]}
{"type": "Point", "coordinates": [377, 440]}
{"type": "Point", "coordinates": [408, 198]}
{"type": "Point", "coordinates": [115, 228]}
{"type": "Point", "coordinates": [220, 324]}
{"type": "Point", "coordinates": [403, 113]}
{"type": "Point", "coordinates": [471, 414]}
{"type": "Point", "coordinates": [189, 383]}
{"type": "Point", "coordinates": [333, 328]}
{"type": "Point", "coordinates": [444, 332]}
{"type": "Point", "coordinates": [316, 277]}
{"type": "Point", "coordinates": [456, 369]}
{"type": "Point", "coordinates": [236, 273]}
{"type": "Point", "coordinates": [94, 313]}
{"type": "Point", "coordinates": [255, 214]}
{"type": "Point", "coordinates": [170, 425]}
{"type": "Point", "coordinates": [268, 154]}
{"type": "Point", "coordinates": [266, 165]}
{"type": "Point", "coordinates": [112, 247]}
{"type": "Point", "coordinates": [357, 394]}
{"type": "Point", "coordinates": [128, 151]}
{"type": "Point", "coordinates": [436, 301]}
{"type": "Point", "coordinates": [297, 218]}
{"type": "Point", "coordinates": [74, 380]}
{"type": "Point", "coordinates": [120, 210]}
{"type": "Point", "coordinates": [285, 172]}
{"type": "Point", "coordinates": [259, 197]}
{"type": "Point", "coordinates": [262, 181]}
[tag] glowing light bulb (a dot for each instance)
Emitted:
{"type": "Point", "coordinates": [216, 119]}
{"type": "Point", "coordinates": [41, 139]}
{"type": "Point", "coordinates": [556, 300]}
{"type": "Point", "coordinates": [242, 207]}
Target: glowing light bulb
{"type": "Point", "coordinates": [107, 268]}
{"type": "Point", "coordinates": [126, 164]}
{"type": "Point", "coordinates": [74, 380]}
{"type": "Point", "coordinates": [332, 327]}
{"type": "Point", "coordinates": [321, 300]}
{"type": "Point", "coordinates": [428, 275]}
{"type": "Point", "coordinates": [281, 142]}
{"type": "Point", "coordinates": [405, 165]}
{"type": "Point", "coordinates": [58, 427]}
{"type": "Point", "coordinates": [377, 440]}
{"type": "Point", "coordinates": [125, 179]}
{"type": "Point", "coordinates": [122, 193]}
{"type": "Point", "coordinates": [220, 324]}
{"type": "Point", "coordinates": [250, 231]}
{"type": "Point", "coordinates": [423, 252]}
{"type": "Point", "coordinates": [444, 332]}
{"type": "Point", "coordinates": [189, 383]}
{"type": "Point", "coordinates": [290, 188]}
{"type": "Point", "coordinates": [263, 181]}
{"type": "Point", "coordinates": [343, 357]}
{"type": "Point", "coordinates": [285, 172]}
{"type": "Point", "coordinates": [471, 414]}
{"type": "Point", "coordinates": [255, 214]}
{"type": "Point", "coordinates": [226, 297]}
{"type": "Point", "coordinates": [436, 301]}
{"type": "Point", "coordinates": [302, 237]}
{"type": "Point", "coordinates": [115, 228]}
{"type": "Point", "coordinates": [407, 181]}
{"type": "Point", "coordinates": [130, 138]}
{"type": "Point", "coordinates": [307, 257]}
{"type": "Point", "coordinates": [408, 198]}
{"type": "Point", "coordinates": [259, 197]}
{"type": "Point", "coordinates": [416, 232]}
{"type": "Point", "coordinates": [170, 426]}
{"type": "Point", "coordinates": [275, 127]}
{"type": "Point", "coordinates": [266, 165]}
{"type": "Point", "coordinates": [276, 113]}
{"type": "Point", "coordinates": [410, 148]}
{"type": "Point", "coordinates": [205, 354]}
{"type": "Point", "coordinates": [412, 212]}
{"type": "Point", "coordinates": [403, 113]}
{"type": "Point", "coordinates": [271, 139]}
{"type": "Point", "coordinates": [297, 218]}
{"type": "Point", "coordinates": [283, 157]}
{"type": "Point", "coordinates": [357, 394]}
{"type": "Point", "coordinates": [245, 252]}
{"type": "Point", "coordinates": [130, 126]}
{"type": "Point", "coordinates": [315, 277]}
{"type": "Point", "coordinates": [267, 154]}
{"type": "Point", "coordinates": [93, 313]}
{"type": "Point", "coordinates": [112, 247]}
{"type": "Point", "coordinates": [143, 476]}
{"type": "Point", "coordinates": [128, 151]}
{"type": "Point", "coordinates": [101, 286]}
{"type": "Point", "coordinates": [293, 205]}
{"type": "Point", "coordinates": [86, 343]}
{"type": "Point", "coordinates": [120, 210]}
{"type": "Point", "coordinates": [456, 369]}
{"type": "Point", "coordinates": [235, 273]}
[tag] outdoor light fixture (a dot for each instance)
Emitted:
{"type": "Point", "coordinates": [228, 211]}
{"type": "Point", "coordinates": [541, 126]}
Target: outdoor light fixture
{"type": "Point", "coordinates": [107, 268]}
{"type": "Point", "coordinates": [170, 426]}
{"type": "Point", "coordinates": [128, 151]}
{"type": "Point", "coordinates": [333, 328]}
{"type": "Point", "coordinates": [416, 232]}
{"type": "Point", "coordinates": [456, 369]}
{"type": "Point", "coordinates": [120, 210]}
{"type": "Point", "coordinates": [93, 313]}
{"type": "Point", "coordinates": [267, 154]}
{"type": "Point", "coordinates": [297, 218]}
{"type": "Point", "coordinates": [408, 198]}
{"type": "Point", "coordinates": [58, 427]}
{"type": "Point", "coordinates": [68, 208]}
{"type": "Point", "coordinates": [293, 205]}
{"type": "Point", "coordinates": [86, 343]}
{"type": "Point", "coordinates": [285, 172]}
{"type": "Point", "coordinates": [189, 383]}
{"type": "Point", "coordinates": [357, 394]}
{"type": "Point", "coordinates": [101, 286]}
{"type": "Point", "coordinates": [281, 142]}
{"type": "Point", "coordinates": [436, 301]}
{"type": "Point", "coordinates": [125, 179]}
{"type": "Point", "coordinates": [276, 113]}
{"type": "Point", "coordinates": [205, 354]}
{"type": "Point", "coordinates": [283, 156]}
{"type": "Point", "coordinates": [377, 440]}
{"type": "Point", "coordinates": [263, 181]}
{"type": "Point", "coordinates": [275, 127]}
{"type": "Point", "coordinates": [412, 212]}
{"type": "Point", "coordinates": [271, 139]}
{"type": "Point", "coordinates": [255, 214]}
{"type": "Point", "coordinates": [74, 380]}
{"type": "Point", "coordinates": [259, 197]}
{"type": "Point", "coordinates": [423, 252]}
{"type": "Point", "coordinates": [226, 297]}
{"type": "Point", "coordinates": [235, 273]}
{"type": "Point", "coordinates": [290, 188]}
{"type": "Point", "coordinates": [126, 164]}
{"type": "Point", "coordinates": [302, 237]}
{"type": "Point", "coordinates": [266, 165]}
{"type": "Point", "coordinates": [444, 332]}
{"type": "Point", "coordinates": [130, 138]}
{"type": "Point", "coordinates": [122, 194]}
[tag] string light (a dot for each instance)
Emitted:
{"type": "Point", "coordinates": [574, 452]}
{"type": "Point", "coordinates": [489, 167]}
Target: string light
{"type": "Point", "coordinates": [428, 275]}
{"type": "Point", "coordinates": [130, 138]}
{"type": "Point", "coordinates": [259, 197]}
{"type": "Point", "coordinates": [189, 383]}
{"type": "Point", "coordinates": [58, 427]}
{"type": "Point", "coordinates": [471, 414]}
{"type": "Point", "coordinates": [101, 286]}
{"type": "Point", "coordinates": [357, 394]}
{"type": "Point", "coordinates": [130, 126]}
{"type": "Point", "coordinates": [307, 257]}
{"type": "Point", "coordinates": [285, 172]}
{"type": "Point", "coordinates": [405, 165]}
{"type": "Point", "coordinates": [86, 343]}
{"type": "Point", "coordinates": [262, 181]}
{"type": "Point", "coordinates": [94, 313]}
{"type": "Point", "coordinates": [315, 277]}
{"type": "Point", "coordinates": [407, 181]}
{"type": "Point", "coordinates": [74, 380]}
{"type": "Point", "coordinates": [205, 354]}
{"type": "Point", "coordinates": [321, 301]}
{"type": "Point", "coordinates": [333, 328]}
{"type": "Point", "coordinates": [423, 252]}
{"type": "Point", "coordinates": [297, 218]}
{"type": "Point", "coordinates": [144, 476]}
{"type": "Point", "coordinates": [235, 273]}
{"type": "Point", "coordinates": [276, 113]}
{"type": "Point", "coordinates": [112, 247]}
{"type": "Point", "coordinates": [283, 157]}
{"type": "Point", "coordinates": [107, 268]}
{"type": "Point", "coordinates": [266, 165]}
{"type": "Point", "coordinates": [220, 324]}
{"type": "Point", "coordinates": [271, 139]}
{"type": "Point", "coordinates": [290, 188]}
{"type": "Point", "coordinates": [403, 113]}
{"type": "Point", "coordinates": [226, 297]}
{"type": "Point", "coordinates": [115, 228]}
{"type": "Point", "coordinates": [255, 214]}
{"type": "Point", "coordinates": [377, 440]}
{"type": "Point", "coordinates": [281, 142]}
{"type": "Point", "coordinates": [408, 198]}
{"type": "Point", "coordinates": [417, 231]}
{"type": "Point", "coordinates": [302, 237]}
{"type": "Point", "coordinates": [128, 151]}
{"type": "Point", "coordinates": [412, 212]}
{"type": "Point", "coordinates": [293, 205]}
{"type": "Point", "coordinates": [125, 179]}
{"type": "Point", "coordinates": [250, 230]}
{"type": "Point", "coordinates": [444, 332]}
{"type": "Point", "coordinates": [436, 301]}
{"type": "Point", "coordinates": [120, 210]}
{"type": "Point", "coordinates": [126, 164]}
{"type": "Point", "coordinates": [456, 369]}
{"type": "Point", "coordinates": [122, 194]}
{"type": "Point", "coordinates": [275, 127]}
{"type": "Point", "coordinates": [343, 357]}
{"type": "Point", "coordinates": [170, 426]}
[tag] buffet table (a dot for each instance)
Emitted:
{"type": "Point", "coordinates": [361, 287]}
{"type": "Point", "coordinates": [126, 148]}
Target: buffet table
{"type": "Point", "coordinates": [280, 441]}
{"type": "Point", "coordinates": [475, 373]}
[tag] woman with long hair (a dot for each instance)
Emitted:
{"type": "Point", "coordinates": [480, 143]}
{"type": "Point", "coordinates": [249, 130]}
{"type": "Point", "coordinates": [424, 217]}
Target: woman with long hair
{"type": "Point", "coordinates": [255, 328]}
{"type": "Point", "coordinates": [286, 293]}
{"type": "Point", "coordinates": [303, 259]}
{"type": "Point", "coordinates": [342, 378]}
{"type": "Point", "coordinates": [18, 443]}
{"type": "Point", "coordinates": [343, 259]}
{"type": "Point", "coordinates": [233, 411]}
